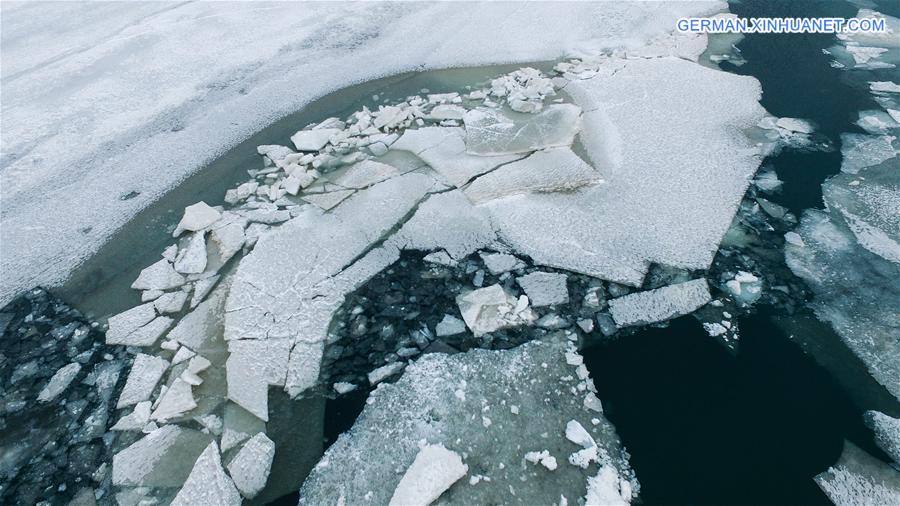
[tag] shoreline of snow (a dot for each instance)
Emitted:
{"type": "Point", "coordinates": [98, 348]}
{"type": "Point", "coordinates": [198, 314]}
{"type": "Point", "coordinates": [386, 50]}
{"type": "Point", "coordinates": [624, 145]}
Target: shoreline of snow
{"type": "Point", "coordinates": [146, 106]}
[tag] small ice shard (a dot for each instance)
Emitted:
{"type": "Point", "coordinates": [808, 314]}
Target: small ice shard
{"type": "Point", "coordinates": [607, 488]}
{"type": "Point", "coordinates": [449, 326]}
{"type": "Point", "coordinates": [159, 276]}
{"type": "Point", "coordinates": [884, 87]}
{"type": "Point", "coordinates": [488, 309]}
{"type": "Point", "coordinates": [498, 263]}
{"type": "Point", "coordinates": [313, 140]}
{"type": "Point", "coordinates": [794, 125]}
{"type": "Point", "coordinates": [184, 353]}
{"type": "Point", "coordinates": [208, 484]}
{"type": "Point", "coordinates": [327, 201]}
{"type": "Point", "coordinates": [177, 401]}
{"type": "Point", "coordinates": [491, 132]}
{"type": "Point", "coordinates": [253, 365]}
{"type": "Point", "coordinates": [384, 372]}
{"type": "Point", "coordinates": [202, 288]}
{"type": "Point", "coordinates": [660, 304]}
{"type": "Point", "coordinates": [447, 111]}
{"type": "Point", "coordinates": [196, 217]}
{"type": "Point", "coordinates": [126, 322]}
{"type": "Point", "coordinates": [251, 465]}
{"type": "Point", "coordinates": [444, 149]}
{"type": "Point", "coordinates": [433, 471]}
{"type": "Point", "coordinates": [238, 425]}
{"type": "Point", "coordinates": [59, 382]}
{"type": "Point", "coordinates": [192, 259]}
{"type": "Point", "coordinates": [545, 288]}
{"type": "Point", "coordinates": [440, 258]}
{"type": "Point", "coordinates": [859, 151]}
{"type": "Point", "coordinates": [228, 238]}
{"type": "Point", "coordinates": [545, 171]}
{"type": "Point", "coordinates": [887, 432]}
{"type": "Point", "coordinates": [768, 181]}
{"type": "Point", "coordinates": [162, 458]}
{"type": "Point", "coordinates": [146, 372]}
{"type": "Point", "coordinates": [171, 302]}
{"type": "Point", "coordinates": [745, 288]}
{"type": "Point", "coordinates": [197, 365]}
{"type": "Point", "coordinates": [543, 457]}
{"type": "Point", "coordinates": [342, 387]}
{"type": "Point", "coordinates": [135, 420]}
{"type": "Point", "coordinates": [860, 479]}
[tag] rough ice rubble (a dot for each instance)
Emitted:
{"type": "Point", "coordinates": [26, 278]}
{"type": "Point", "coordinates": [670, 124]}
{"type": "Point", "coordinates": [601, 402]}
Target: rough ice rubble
{"type": "Point", "coordinates": [445, 399]}
{"type": "Point", "coordinates": [660, 304]}
{"type": "Point", "coordinates": [860, 479]}
{"type": "Point", "coordinates": [59, 382]}
{"type": "Point", "coordinates": [491, 308]}
{"type": "Point", "coordinates": [848, 256]}
{"type": "Point", "coordinates": [655, 173]}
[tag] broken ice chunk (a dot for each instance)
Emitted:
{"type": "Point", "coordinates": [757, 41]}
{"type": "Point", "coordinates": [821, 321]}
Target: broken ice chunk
{"type": "Point", "coordinates": [498, 263]}
{"type": "Point", "coordinates": [145, 374]}
{"type": "Point", "coordinates": [59, 382]}
{"type": "Point", "coordinates": [887, 432]}
{"type": "Point", "coordinates": [313, 140]}
{"type": "Point", "coordinates": [251, 465]}
{"type": "Point", "coordinates": [545, 171]}
{"type": "Point", "coordinates": [363, 174]}
{"type": "Point", "coordinates": [144, 336]}
{"type": "Point", "coordinates": [192, 259]}
{"type": "Point", "coordinates": [447, 111]}
{"type": "Point", "coordinates": [859, 151]}
{"type": "Point", "coordinates": [384, 372]}
{"type": "Point", "coordinates": [228, 238]}
{"type": "Point", "coordinates": [449, 221]}
{"type": "Point", "coordinates": [159, 276]}
{"type": "Point", "coordinates": [860, 479]}
{"type": "Point", "coordinates": [177, 401]}
{"type": "Point", "coordinates": [745, 288]}
{"type": "Point", "coordinates": [433, 471]}
{"type": "Point", "coordinates": [545, 288]}
{"type": "Point", "coordinates": [445, 151]}
{"type": "Point", "coordinates": [162, 458]}
{"type": "Point", "coordinates": [171, 302]}
{"type": "Point", "coordinates": [488, 309]}
{"type": "Point", "coordinates": [449, 326]}
{"type": "Point", "coordinates": [126, 322]}
{"type": "Point", "coordinates": [491, 132]}
{"type": "Point", "coordinates": [136, 420]}
{"type": "Point", "coordinates": [196, 217]}
{"type": "Point", "coordinates": [208, 484]}
{"type": "Point", "coordinates": [327, 201]}
{"type": "Point", "coordinates": [884, 87]}
{"type": "Point", "coordinates": [660, 304]}
{"type": "Point", "coordinates": [238, 424]}
{"type": "Point", "coordinates": [253, 365]}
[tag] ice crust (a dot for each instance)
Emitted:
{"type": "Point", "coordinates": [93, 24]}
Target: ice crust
{"type": "Point", "coordinates": [444, 400]}
{"type": "Point", "coordinates": [860, 479]}
{"type": "Point", "coordinates": [887, 433]}
{"type": "Point", "coordinates": [656, 173]}
{"type": "Point", "coordinates": [660, 304]}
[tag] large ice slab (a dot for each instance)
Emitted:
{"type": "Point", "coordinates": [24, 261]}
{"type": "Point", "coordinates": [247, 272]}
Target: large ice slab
{"type": "Point", "coordinates": [860, 479]}
{"type": "Point", "coordinates": [494, 132]}
{"type": "Point", "coordinates": [492, 408]}
{"type": "Point", "coordinates": [162, 458]}
{"type": "Point", "coordinates": [447, 221]}
{"type": "Point", "coordinates": [660, 304]}
{"type": "Point", "coordinates": [146, 371]}
{"type": "Point", "coordinates": [208, 484]}
{"type": "Point", "coordinates": [665, 135]}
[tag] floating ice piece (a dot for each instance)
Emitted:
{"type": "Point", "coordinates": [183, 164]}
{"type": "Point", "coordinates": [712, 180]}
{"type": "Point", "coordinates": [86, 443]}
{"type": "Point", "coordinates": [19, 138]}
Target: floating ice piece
{"type": "Point", "coordinates": [449, 221]}
{"type": "Point", "coordinates": [327, 201]}
{"type": "Point", "coordinates": [136, 420]}
{"type": "Point", "coordinates": [162, 458]}
{"type": "Point", "coordinates": [238, 425]}
{"type": "Point", "coordinates": [860, 151]}
{"type": "Point", "coordinates": [768, 181]}
{"type": "Point", "coordinates": [313, 140]}
{"type": "Point", "coordinates": [860, 479]}
{"type": "Point", "coordinates": [176, 401]}
{"type": "Point", "coordinates": [433, 471]}
{"type": "Point", "coordinates": [146, 372]}
{"type": "Point", "coordinates": [794, 125]}
{"type": "Point", "coordinates": [661, 304]}
{"type": "Point", "coordinates": [192, 259]}
{"type": "Point", "coordinates": [498, 263]}
{"type": "Point", "coordinates": [545, 288]}
{"type": "Point", "coordinates": [384, 372]}
{"type": "Point", "coordinates": [440, 258]}
{"type": "Point", "coordinates": [149, 295]}
{"type": "Point", "coordinates": [253, 365]}
{"type": "Point", "coordinates": [171, 302]}
{"type": "Point", "coordinates": [884, 87]}
{"type": "Point", "coordinates": [745, 288]}
{"type": "Point", "coordinates": [202, 288]}
{"type": "Point", "coordinates": [208, 484]}
{"type": "Point", "coordinates": [342, 387]}
{"type": "Point", "coordinates": [196, 217]}
{"type": "Point", "coordinates": [159, 276]}
{"type": "Point", "coordinates": [228, 238]}
{"type": "Point", "coordinates": [887, 432]}
{"type": "Point", "coordinates": [449, 326]}
{"type": "Point", "coordinates": [251, 465]}
{"type": "Point", "coordinates": [607, 488]}
{"type": "Point", "coordinates": [363, 174]}
{"type": "Point", "coordinates": [126, 322]}
{"type": "Point", "coordinates": [543, 457]}
{"type": "Point", "coordinates": [491, 132]}
{"type": "Point", "coordinates": [488, 309]}
{"type": "Point", "coordinates": [427, 406]}
{"type": "Point", "coordinates": [876, 122]}
{"type": "Point", "coordinates": [143, 336]}
{"type": "Point", "coordinates": [446, 111]}
{"type": "Point", "coordinates": [444, 149]}
{"type": "Point", "coordinates": [545, 171]}
{"type": "Point", "coordinates": [59, 382]}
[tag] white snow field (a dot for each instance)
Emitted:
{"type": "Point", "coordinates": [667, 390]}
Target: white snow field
{"type": "Point", "coordinates": [99, 100]}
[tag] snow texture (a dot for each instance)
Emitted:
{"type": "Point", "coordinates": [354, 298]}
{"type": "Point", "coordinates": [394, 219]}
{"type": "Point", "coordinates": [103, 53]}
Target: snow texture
{"type": "Point", "coordinates": [146, 371]}
{"type": "Point", "coordinates": [251, 465]}
{"type": "Point", "coordinates": [544, 288]}
{"type": "Point", "coordinates": [208, 484]}
{"type": "Point", "coordinates": [887, 432]}
{"type": "Point", "coordinates": [660, 304]}
{"type": "Point", "coordinates": [859, 479]}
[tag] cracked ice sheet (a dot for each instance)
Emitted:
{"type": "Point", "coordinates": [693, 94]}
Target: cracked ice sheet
{"type": "Point", "coordinates": [69, 65]}
{"type": "Point", "coordinates": [666, 136]}
{"type": "Point", "coordinates": [493, 132]}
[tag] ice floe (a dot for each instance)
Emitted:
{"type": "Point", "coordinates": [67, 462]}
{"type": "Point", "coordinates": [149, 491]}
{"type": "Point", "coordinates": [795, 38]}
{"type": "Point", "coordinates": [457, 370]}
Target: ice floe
{"type": "Point", "coordinates": [59, 382]}
{"type": "Point", "coordinates": [659, 304]}
{"type": "Point", "coordinates": [251, 465]}
{"type": "Point", "coordinates": [544, 288]}
{"type": "Point", "coordinates": [859, 478]}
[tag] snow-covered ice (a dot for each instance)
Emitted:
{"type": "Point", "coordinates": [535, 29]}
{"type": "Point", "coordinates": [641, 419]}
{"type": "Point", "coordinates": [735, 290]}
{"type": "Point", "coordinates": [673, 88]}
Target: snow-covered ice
{"type": "Point", "coordinates": [544, 288]}
{"type": "Point", "coordinates": [491, 308]}
{"type": "Point", "coordinates": [145, 373]}
{"type": "Point", "coordinates": [860, 479]}
{"type": "Point", "coordinates": [251, 465]}
{"type": "Point", "coordinates": [208, 484]}
{"type": "Point", "coordinates": [660, 304]}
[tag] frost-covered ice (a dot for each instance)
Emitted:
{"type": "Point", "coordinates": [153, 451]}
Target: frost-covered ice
{"type": "Point", "coordinates": [544, 288]}
{"type": "Point", "coordinates": [445, 400]}
{"type": "Point", "coordinates": [146, 372]}
{"type": "Point", "coordinates": [251, 465]}
{"type": "Point", "coordinates": [887, 433]}
{"type": "Point", "coordinates": [59, 382]}
{"type": "Point", "coordinates": [860, 479]}
{"type": "Point", "coordinates": [490, 132]}
{"type": "Point", "coordinates": [208, 484]}
{"type": "Point", "coordinates": [491, 308]}
{"type": "Point", "coordinates": [169, 116]}
{"type": "Point", "coordinates": [659, 304]}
